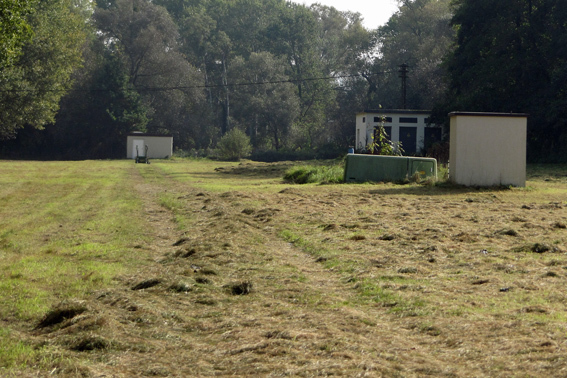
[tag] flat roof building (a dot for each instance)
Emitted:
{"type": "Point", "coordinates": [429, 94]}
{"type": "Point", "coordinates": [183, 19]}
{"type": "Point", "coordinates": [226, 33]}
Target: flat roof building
{"type": "Point", "coordinates": [410, 127]}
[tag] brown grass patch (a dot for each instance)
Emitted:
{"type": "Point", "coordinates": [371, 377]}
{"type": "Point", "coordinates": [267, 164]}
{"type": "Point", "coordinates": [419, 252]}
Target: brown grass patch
{"type": "Point", "coordinates": [61, 313]}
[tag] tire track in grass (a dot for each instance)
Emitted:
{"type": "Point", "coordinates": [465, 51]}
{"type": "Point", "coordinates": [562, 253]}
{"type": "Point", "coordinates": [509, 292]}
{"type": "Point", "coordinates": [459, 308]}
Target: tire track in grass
{"type": "Point", "coordinates": [297, 318]}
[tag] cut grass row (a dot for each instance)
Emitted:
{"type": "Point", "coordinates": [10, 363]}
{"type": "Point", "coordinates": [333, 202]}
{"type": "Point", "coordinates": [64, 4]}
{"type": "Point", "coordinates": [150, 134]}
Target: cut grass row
{"type": "Point", "coordinates": [66, 229]}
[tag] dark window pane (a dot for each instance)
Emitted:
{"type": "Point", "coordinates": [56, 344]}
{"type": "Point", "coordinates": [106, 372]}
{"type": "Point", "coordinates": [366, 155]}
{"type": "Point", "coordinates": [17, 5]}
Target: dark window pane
{"type": "Point", "coordinates": [408, 120]}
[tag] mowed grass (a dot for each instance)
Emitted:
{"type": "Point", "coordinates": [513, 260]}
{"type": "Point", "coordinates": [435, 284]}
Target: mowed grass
{"type": "Point", "coordinates": [460, 265]}
{"type": "Point", "coordinates": [66, 229]}
{"type": "Point", "coordinates": [339, 279]}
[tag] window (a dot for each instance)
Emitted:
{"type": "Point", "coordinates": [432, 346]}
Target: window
{"type": "Point", "coordinates": [408, 120]}
{"type": "Point", "coordinates": [379, 119]}
{"type": "Point", "coordinates": [363, 119]}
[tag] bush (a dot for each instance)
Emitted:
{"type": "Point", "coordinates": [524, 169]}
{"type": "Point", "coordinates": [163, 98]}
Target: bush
{"type": "Point", "coordinates": [311, 174]}
{"type": "Point", "coordinates": [234, 145]}
{"type": "Point", "coordinates": [438, 151]}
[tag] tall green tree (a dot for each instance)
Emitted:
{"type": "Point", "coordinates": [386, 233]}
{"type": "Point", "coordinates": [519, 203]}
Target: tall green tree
{"type": "Point", "coordinates": [345, 49]}
{"type": "Point", "coordinates": [293, 33]}
{"type": "Point", "coordinates": [14, 29]}
{"type": "Point", "coordinates": [511, 57]}
{"type": "Point", "coordinates": [145, 39]}
{"type": "Point", "coordinates": [104, 108]}
{"type": "Point", "coordinates": [31, 88]}
{"type": "Point", "coordinates": [419, 35]}
{"type": "Point", "coordinates": [315, 43]}
{"type": "Point", "coordinates": [266, 106]}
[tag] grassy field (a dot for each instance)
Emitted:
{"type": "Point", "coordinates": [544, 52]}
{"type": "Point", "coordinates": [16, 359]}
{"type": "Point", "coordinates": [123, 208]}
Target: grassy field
{"type": "Point", "coordinates": [202, 268]}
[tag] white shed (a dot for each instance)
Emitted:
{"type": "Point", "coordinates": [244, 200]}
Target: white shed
{"type": "Point", "coordinates": [159, 146]}
{"type": "Point", "coordinates": [488, 149]}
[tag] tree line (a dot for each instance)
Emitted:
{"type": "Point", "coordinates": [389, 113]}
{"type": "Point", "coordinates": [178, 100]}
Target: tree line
{"type": "Point", "coordinates": [77, 76]}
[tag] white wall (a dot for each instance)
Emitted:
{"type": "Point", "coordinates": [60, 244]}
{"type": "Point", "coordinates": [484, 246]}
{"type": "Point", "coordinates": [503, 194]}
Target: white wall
{"type": "Point", "coordinates": [488, 149]}
{"type": "Point", "coordinates": [159, 147]}
{"type": "Point", "coordinates": [365, 126]}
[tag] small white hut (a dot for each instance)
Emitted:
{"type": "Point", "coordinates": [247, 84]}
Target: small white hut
{"type": "Point", "coordinates": [488, 149]}
{"type": "Point", "coordinates": [159, 146]}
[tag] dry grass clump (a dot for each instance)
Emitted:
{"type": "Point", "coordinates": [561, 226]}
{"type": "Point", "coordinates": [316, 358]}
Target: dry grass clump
{"type": "Point", "coordinates": [240, 288]}
{"type": "Point", "coordinates": [62, 312]}
{"type": "Point", "coordinates": [145, 284]}
{"type": "Point", "coordinates": [90, 343]}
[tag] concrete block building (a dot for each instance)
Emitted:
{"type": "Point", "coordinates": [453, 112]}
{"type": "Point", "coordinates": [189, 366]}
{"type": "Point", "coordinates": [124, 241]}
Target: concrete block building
{"type": "Point", "coordinates": [410, 127]}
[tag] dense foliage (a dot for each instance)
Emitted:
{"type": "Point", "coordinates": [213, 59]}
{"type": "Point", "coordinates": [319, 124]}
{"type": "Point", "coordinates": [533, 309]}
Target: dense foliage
{"type": "Point", "coordinates": [31, 89]}
{"type": "Point", "coordinates": [511, 56]}
{"type": "Point", "coordinates": [79, 75]}
{"type": "Point", "coordinates": [14, 29]}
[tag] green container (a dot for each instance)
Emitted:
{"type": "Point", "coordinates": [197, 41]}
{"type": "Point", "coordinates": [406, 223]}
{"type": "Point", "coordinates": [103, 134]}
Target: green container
{"type": "Point", "coordinates": [363, 168]}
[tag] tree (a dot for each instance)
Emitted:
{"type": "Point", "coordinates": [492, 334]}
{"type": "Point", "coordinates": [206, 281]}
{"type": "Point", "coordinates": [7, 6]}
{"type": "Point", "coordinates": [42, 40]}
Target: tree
{"type": "Point", "coordinates": [143, 35]}
{"type": "Point", "coordinates": [94, 122]}
{"type": "Point", "coordinates": [315, 43]}
{"type": "Point", "coordinates": [145, 39]}
{"type": "Point", "coordinates": [419, 35]}
{"type": "Point", "coordinates": [342, 40]}
{"type": "Point", "coordinates": [345, 48]}
{"type": "Point", "coordinates": [267, 105]}
{"type": "Point", "coordinates": [31, 88]}
{"type": "Point", "coordinates": [293, 34]}
{"type": "Point", "coordinates": [510, 57]}
{"type": "Point", "coordinates": [14, 29]}
{"type": "Point", "coordinates": [134, 79]}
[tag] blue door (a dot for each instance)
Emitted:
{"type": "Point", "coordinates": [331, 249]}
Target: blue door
{"type": "Point", "coordinates": [408, 137]}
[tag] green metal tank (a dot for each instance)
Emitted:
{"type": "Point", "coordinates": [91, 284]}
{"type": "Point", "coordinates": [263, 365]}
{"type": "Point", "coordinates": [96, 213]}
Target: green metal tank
{"type": "Point", "coordinates": [376, 168]}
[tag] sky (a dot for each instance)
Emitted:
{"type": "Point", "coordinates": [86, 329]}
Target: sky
{"type": "Point", "coordinates": [375, 12]}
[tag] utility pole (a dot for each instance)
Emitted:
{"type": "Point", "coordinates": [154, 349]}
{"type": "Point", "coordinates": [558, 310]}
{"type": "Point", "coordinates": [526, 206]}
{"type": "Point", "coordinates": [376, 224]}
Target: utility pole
{"type": "Point", "coordinates": [404, 75]}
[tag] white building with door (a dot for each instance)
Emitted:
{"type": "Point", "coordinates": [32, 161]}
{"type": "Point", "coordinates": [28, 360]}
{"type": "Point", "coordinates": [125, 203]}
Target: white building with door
{"type": "Point", "coordinates": [410, 127]}
{"type": "Point", "coordinates": [159, 146]}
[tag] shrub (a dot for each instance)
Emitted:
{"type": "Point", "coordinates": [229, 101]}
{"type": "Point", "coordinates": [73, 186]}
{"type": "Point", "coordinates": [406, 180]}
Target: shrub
{"type": "Point", "coordinates": [438, 151]}
{"type": "Point", "coordinates": [311, 174]}
{"type": "Point", "coordinates": [382, 145]}
{"type": "Point", "coordinates": [234, 145]}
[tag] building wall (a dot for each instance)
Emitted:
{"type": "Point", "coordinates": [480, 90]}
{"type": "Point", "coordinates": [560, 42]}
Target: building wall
{"type": "Point", "coordinates": [395, 119]}
{"type": "Point", "coordinates": [159, 146]}
{"type": "Point", "coordinates": [488, 149]}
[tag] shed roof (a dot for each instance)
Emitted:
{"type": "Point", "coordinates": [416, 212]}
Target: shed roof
{"type": "Point", "coordinates": [487, 114]}
{"type": "Point", "coordinates": [140, 134]}
{"type": "Point", "coordinates": [396, 111]}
